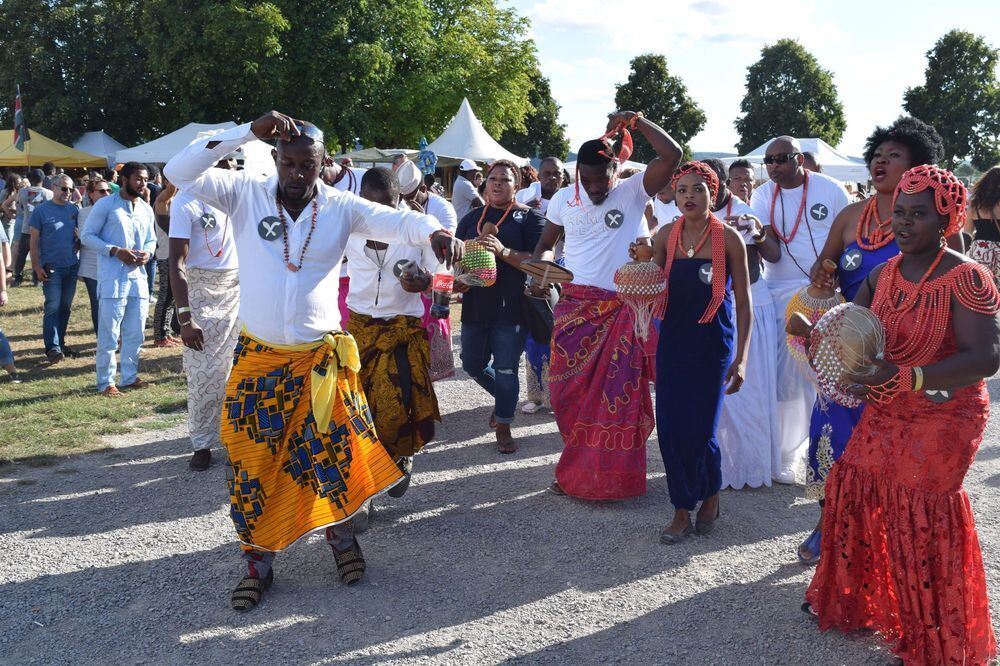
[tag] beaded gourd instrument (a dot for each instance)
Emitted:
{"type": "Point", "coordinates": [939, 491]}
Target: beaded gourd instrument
{"type": "Point", "coordinates": [845, 341]}
{"type": "Point", "coordinates": [812, 302]}
{"type": "Point", "coordinates": [641, 286]}
{"type": "Point", "coordinates": [479, 266]}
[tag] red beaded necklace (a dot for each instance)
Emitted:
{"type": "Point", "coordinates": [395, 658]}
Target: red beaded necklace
{"type": "Point", "coordinates": [916, 316]}
{"type": "Point", "coordinates": [696, 248]}
{"type": "Point", "coordinates": [798, 215]}
{"type": "Point", "coordinates": [482, 216]}
{"type": "Point", "coordinates": [284, 234]}
{"type": "Point", "coordinates": [873, 232]}
{"type": "Point", "coordinates": [718, 262]}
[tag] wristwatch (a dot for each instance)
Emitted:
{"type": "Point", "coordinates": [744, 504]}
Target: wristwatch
{"type": "Point", "coordinates": [760, 239]}
{"type": "Point", "coordinates": [114, 251]}
{"type": "Point", "coordinates": [504, 253]}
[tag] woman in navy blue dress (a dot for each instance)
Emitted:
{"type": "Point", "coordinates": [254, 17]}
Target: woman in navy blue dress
{"type": "Point", "coordinates": [705, 262]}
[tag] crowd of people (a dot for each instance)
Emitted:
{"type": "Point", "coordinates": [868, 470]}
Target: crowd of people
{"type": "Point", "coordinates": [305, 304]}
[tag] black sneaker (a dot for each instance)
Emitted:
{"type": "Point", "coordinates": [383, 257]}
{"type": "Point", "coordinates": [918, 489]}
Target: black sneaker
{"type": "Point", "coordinates": [72, 353]}
{"type": "Point", "coordinates": [54, 356]}
{"type": "Point", "coordinates": [15, 377]}
{"type": "Point", "coordinates": [406, 467]}
{"type": "Point", "coordinates": [201, 459]}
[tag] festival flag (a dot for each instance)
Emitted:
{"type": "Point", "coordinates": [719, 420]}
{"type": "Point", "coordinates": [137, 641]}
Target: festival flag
{"type": "Point", "coordinates": [20, 127]}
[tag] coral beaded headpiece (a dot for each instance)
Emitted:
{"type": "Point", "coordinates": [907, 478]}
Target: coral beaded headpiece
{"type": "Point", "coordinates": [703, 170]}
{"type": "Point", "coordinates": [950, 195]}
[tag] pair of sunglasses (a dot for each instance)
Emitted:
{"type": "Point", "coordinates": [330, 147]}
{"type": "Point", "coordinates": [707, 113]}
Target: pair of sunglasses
{"type": "Point", "coordinates": [311, 131]}
{"type": "Point", "coordinates": [66, 189]}
{"type": "Point", "coordinates": [780, 158]}
{"type": "Point", "coordinates": [103, 191]}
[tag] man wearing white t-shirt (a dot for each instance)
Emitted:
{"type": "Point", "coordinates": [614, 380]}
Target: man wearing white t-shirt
{"type": "Point", "coordinates": [600, 371]}
{"type": "Point", "coordinates": [464, 195]}
{"type": "Point", "coordinates": [413, 190]}
{"type": "Point", "coordinates": [797, 209]}
{"type": "Point", "coordinates": [386, 313]}
{"type": "Point", "coordinates": [204, 279]}
{"type": "Point", "coordinates": [539, 193]}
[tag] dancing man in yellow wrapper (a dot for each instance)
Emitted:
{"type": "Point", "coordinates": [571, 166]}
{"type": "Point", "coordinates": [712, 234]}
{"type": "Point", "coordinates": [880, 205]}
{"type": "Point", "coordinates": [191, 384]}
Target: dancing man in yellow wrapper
{"type": "Point", "coordinates": [303, 452]}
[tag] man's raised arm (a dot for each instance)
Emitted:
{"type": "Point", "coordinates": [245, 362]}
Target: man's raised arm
{"type": "Point", "coordinates": [191, 169]}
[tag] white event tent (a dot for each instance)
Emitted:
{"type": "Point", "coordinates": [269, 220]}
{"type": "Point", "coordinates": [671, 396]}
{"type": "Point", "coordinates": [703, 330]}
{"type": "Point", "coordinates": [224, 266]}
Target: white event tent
{"type": "Point", "coordinates": [833, 163]}
{"type": "Point", "coordinates": [159, 151]}
{"type": "Point", "coordinates": [465, 137]}
{"type": "Point", "coordinates": [99, 143]}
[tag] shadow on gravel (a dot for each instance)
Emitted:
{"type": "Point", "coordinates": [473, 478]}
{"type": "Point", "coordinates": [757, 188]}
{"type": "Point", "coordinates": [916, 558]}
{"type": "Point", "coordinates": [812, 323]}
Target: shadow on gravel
{"type": "Point", "coordinates": [449, 565]}
{"type": "Point", "coordinates": [119, 489]}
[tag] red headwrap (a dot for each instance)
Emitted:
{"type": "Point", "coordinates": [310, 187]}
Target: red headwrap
{"type": "Point", "coordinates": [703, 170]}
{"type": "Point", "coordinates": [950, 195]}
{"type": "Point", "coordinates": [617, 159]}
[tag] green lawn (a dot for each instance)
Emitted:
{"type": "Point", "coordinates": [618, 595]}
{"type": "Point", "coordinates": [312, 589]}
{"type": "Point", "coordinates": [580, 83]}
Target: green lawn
{"type": "Point", "coordinates": [57, 410]}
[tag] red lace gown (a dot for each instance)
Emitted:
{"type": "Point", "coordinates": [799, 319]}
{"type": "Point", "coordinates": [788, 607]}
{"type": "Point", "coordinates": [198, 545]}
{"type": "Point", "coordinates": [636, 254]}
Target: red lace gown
{"type": "Point", "coordinates": [900, 554]}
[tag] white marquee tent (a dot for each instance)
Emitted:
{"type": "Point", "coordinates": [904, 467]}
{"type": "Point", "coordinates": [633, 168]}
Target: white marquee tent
{"type": "Point", "coordinates": [465, 137]}
{"type": "Point", "coordinates": [834, 164]}
{"type": "Point", "coordinates": [160, 150]}
{"type": "Point", "coordinates": [99, 143]}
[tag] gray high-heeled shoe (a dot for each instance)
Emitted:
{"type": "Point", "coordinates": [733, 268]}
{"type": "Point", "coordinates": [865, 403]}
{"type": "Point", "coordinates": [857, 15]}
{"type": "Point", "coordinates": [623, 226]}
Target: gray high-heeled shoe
{"type": "Point", "coordinates": [706, 526]}
{"type": "Point", "coordinates": [671, 538]}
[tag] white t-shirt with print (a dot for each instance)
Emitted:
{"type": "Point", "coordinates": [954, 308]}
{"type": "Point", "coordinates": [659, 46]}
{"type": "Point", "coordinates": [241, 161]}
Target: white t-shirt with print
{"type": "Point", "coordinates": [665, 213]}
{"type": "Point", "coordinates": [207, 230]}
{"type": "Point", "coordinates": [384, 298]}
{"type": "Point", "coordinates": [825, 198]}
{"type": "Point", "coordinates": [598, 237]}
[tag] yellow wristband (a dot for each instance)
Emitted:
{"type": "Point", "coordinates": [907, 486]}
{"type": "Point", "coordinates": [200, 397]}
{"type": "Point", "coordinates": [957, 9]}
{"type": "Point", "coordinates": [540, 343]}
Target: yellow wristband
{"type": "Point", "coordinates": [918, 377]}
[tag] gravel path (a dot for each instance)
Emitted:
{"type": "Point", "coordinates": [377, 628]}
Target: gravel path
{"type": "Point", "coordinates": [124, 556]}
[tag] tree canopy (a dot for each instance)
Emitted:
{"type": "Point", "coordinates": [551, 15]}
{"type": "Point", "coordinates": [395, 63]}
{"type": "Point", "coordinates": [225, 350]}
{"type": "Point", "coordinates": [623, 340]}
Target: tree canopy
{"type": "Point", "coordinates": [383, 73]}
{"type": "Point", "coordinates": [542, 135]}
{"type": "Point", "coordinates": [663, 98]}
{"type": "Point", "coordinates": [789, 93]}
{"type": "Point", "coordinates": [961, 98]}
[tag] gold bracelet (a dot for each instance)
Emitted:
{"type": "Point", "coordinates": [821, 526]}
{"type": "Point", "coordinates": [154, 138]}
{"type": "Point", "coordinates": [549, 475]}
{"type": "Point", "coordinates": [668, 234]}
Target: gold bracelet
{"type": "Point", "coordinates": [918, 377]}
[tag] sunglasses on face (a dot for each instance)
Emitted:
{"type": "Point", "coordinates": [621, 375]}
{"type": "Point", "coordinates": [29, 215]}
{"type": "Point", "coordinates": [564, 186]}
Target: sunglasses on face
{"type": "Point", "coordinates": [780, 158]}
{"type": "Point", "coordinates": [66, 189]}
{"type": "Point", "coordinates": [103, 191]}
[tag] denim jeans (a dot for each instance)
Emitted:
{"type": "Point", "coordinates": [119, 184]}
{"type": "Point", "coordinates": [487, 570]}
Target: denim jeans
{"type": "Point", "coordinates": [59, 290]}
{"type": "Point", "coordinates": [124, 318]}
{"type": "Point", "coordinates": [504, 344]}
{"type": "Point", "coordinates": [91, 284]}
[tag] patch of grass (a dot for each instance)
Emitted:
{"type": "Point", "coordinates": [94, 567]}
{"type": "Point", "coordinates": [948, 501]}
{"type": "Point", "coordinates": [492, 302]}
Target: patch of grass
{"type": "Point", "coordinates": [57, 410]}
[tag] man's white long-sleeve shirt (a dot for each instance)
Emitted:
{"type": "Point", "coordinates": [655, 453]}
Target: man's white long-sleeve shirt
{"type": "Point", "coordinates": [276, 304]}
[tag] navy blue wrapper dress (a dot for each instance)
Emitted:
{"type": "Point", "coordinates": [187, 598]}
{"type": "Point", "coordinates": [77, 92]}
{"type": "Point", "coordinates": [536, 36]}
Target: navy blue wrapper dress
{"type": "Point", "coordinates": [691, 364]}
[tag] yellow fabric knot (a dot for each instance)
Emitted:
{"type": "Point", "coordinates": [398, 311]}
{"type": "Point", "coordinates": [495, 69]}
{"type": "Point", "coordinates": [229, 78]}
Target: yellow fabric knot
{"type": "Point", "coordinates": [337, 351]}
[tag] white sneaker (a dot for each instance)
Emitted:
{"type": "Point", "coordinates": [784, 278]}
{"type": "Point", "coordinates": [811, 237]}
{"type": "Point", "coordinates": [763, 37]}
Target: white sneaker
{"type": "Point", "coordinates": [530, 407]}
{"type": "Point", "coordinates": [785, 476]}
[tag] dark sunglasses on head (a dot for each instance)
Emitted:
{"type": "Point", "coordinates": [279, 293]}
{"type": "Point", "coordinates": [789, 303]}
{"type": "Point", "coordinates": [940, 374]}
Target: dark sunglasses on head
{"type": "Point", "coordinates": [780, 158]}
{"type": "Point", "coordinates": [311, 131]}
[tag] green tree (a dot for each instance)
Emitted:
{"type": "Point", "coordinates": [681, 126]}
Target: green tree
{"type": "Point", "coordinates": [789, 93]}
{"type": "Point", "coordinates": [961, 98]}
{"type": "Point", "coordinates": [543, 135]}
{"type": "Point", "coordinates": [663, 98]}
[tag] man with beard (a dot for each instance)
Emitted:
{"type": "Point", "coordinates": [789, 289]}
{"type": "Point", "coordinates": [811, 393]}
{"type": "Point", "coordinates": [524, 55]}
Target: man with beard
{"type": "Point", "coordinates": [600, 370]}
{"type": "Point", "coordinates": [120, 230]}
{"type": "Point", "coordinates": [797, 208]}
{"type": "Point", "coordinates": [303, 452]}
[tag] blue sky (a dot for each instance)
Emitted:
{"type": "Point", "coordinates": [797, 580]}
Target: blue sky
{"type": "Point", "coordinates": [874, 49]}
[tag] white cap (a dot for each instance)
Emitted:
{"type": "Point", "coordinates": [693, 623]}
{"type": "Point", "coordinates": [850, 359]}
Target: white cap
{"type": "Point", "coordinates": [409, 178]}
{"type": "Point", "coordinates": [468, 165]}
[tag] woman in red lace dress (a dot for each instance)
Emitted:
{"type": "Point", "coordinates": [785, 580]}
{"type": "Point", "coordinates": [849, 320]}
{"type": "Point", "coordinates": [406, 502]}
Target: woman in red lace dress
{"type": "Point", "coordinates": [903, 556]}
